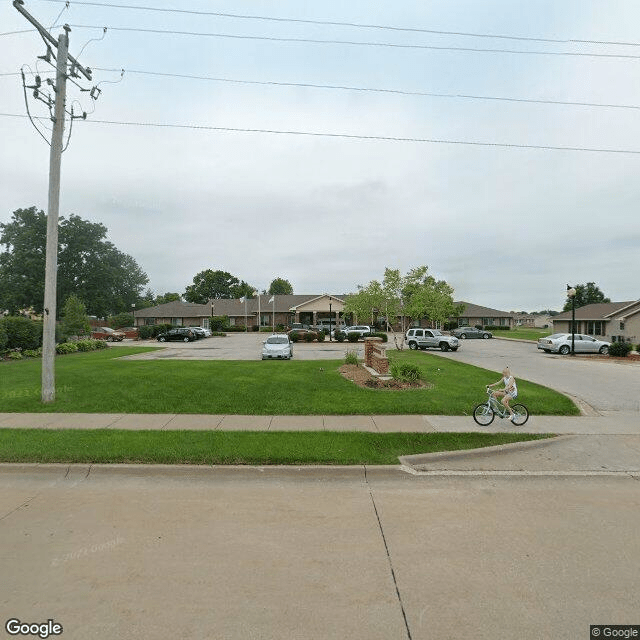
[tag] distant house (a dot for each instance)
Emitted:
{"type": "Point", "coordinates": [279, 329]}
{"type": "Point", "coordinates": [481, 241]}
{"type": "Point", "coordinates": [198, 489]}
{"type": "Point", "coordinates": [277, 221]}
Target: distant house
{"type": "Point", "coordinates": [613, 321]}
{"type": "Point", "coordinates": [474, 314]}
{"type": "Point", "coordinates": [524, 320]}
{"type": "Point", "coordinates": [263, 310]}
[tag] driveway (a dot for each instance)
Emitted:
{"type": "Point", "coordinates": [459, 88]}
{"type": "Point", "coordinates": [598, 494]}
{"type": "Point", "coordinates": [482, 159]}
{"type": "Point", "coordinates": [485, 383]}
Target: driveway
{"type": "Point", "coordinates": [604, 385]}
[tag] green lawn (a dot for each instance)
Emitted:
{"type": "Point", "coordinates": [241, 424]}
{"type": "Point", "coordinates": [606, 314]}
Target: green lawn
{"type": "Point", "coordinates": [523, 334]}
{"type": "Point", "coordinates": [105, 446]}
{"type": "Point", "coordinates": [100, 382]}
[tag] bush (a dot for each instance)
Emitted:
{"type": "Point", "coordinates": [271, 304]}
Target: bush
{"type": "Point", "coordinates": [100, 344]}
{"type": "Point", "coordinates": [32, 353]}
{"type": "Point", "coordinates": [295, 337]}
{"type": "Point", "coordinates": [340, 336]}
{"type": "Point", "coordinates": [235, 329]}
{"type": "Point", "coordinates": [22, 333]}
{"type": "Point", "coordinates": [620, 349]}
{"type": "Point", "coordinates": [405, 371]}
{"type": "Point", "coordinates": [66, 347]}
{"type": "Point", "coordinates": [91, 345]}
{"type": "Point", "coordinates": [321, 336]}
{"type": "Point", "coordinates": [380, 334]}
{"type": "Point", "coordinates": [309, 337]}
{"type": "Point", "coordinates": [3, 336]}
{"type": "Point", "coordinates": [145, 332]}
{"type": "Point", "coordinates": [218, 323]}
{"type": "Point", "coordinates": [497, 327]}
{"type": "Point", "coordinates": [353, 337]}
{"type": "Point", "coordinates": [351, 357]}
{"type": "Point", "coordinates": [121, 320]}
{"type": "Point", "coordinates": [15, 355]}
{"type": "Point", "coordinates": [218, 333]}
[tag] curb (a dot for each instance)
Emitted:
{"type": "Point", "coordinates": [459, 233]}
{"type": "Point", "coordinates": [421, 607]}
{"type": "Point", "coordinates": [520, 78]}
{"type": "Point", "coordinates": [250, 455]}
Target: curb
{"type": "Point", "coordinates": [425, 458]}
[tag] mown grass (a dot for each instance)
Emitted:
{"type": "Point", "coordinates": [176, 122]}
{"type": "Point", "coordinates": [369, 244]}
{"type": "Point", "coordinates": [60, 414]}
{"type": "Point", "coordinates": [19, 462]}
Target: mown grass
{"type": "Point", "coordinates": [523, 334]}
{"type": "Point", "coordinates": [104, 446]}
{"type": "Point", "coordinates": [101, 382]}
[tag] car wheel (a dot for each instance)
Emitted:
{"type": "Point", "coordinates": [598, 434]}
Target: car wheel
{"type": "Point", "coordinates": [454, 348]}
{"type": "Point", "coordinates": [185, 339]}
{"type": "Point", "coordinates": [413, 346]}
{"type": "Point", "coordinates": [463, 336]}
{"type": "Point", "coordinates": [564, 349]}
{"type": "Point", "coordinates": [444, 346]}
{"type": "Point", "coordinates": [604, 350]}
{"type": "Point", "coordinates": [161, 339]}
{"type": "Point", "coordinates": [485, 336]}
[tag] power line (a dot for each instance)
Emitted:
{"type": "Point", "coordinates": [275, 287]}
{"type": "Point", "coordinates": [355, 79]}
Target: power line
{"type": "Point", "coordinates": [309, 85]}
{"type": "Point", "coordinates": [357, 43]}
{"type": "Point", "coordinates": [348, 136]}
{"type": "Point", "coordinates": [359, 25]}
{"type": "Point", "coordinates": [401, 92]}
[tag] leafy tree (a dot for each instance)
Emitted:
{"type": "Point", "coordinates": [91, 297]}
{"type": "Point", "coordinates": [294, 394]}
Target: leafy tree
{"type": "Point", "coordinates": [168, 297]}
{"type": "Point", "coordinates": [209, 284]}
{"type": "Point", "coordinates": [280, 287]}
{"type": "Point", "coordinates": [586, 294]}
{"type": "Point", "coordinates": [121, 320]}
{"type": "Point", "coordinates": [89, 266]}
{"type": "Point", "coordinates": [74, 317]}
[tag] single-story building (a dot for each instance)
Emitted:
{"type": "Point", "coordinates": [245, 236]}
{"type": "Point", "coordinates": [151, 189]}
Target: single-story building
{"type": "Point", "coordinates": [474, 314]}
{"type": "Point", "coordinates": [611, 321]}
{"type": "Point", "coordinates": [263, 310]}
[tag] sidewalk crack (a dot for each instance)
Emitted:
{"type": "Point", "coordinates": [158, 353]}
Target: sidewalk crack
{"type": "Point", "coordinates": [386, 547]}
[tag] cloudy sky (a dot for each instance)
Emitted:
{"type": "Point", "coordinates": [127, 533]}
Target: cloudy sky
{"type": "Point", "coordinates": [507, 226]}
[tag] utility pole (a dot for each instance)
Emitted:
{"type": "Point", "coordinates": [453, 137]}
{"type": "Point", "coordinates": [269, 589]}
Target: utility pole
{"type": "Point", "coordinates": [53, 205]}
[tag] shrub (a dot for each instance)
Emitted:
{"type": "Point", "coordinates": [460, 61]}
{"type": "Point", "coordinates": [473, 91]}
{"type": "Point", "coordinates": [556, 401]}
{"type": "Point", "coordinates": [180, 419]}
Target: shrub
{"type": "Point", "coordinates": [405, 371]}
{"type": "Point", "coordinates": [145, 332]}
{"type": "Point", "coordinates": [321, 336]}
{"type": "Point", "coordinates": [380, 334]}
{"type": "Point", "coordinates": [100, 344]}
{"type": "Point", "coordinates": [497, 327]}
{"type": "Point", "coordinates": [3, 336]}
{"type": "Point", "coordinates": [90, 345]}
{"type": "Point", "coordinates": [15, 355]}
{"type": "Point", "coordinates": [121, 320]}
{"type": "Point", "coordinates": [32, 353]}
{"type": "Point", "coordinates": [340, 336]}
{"type": "Point", "coordinates": [309, 337]}
{"type": "Point", "coordinates": [235, 329]}
{"type": "Point", "coordinates": [351, 357]}
{"type": "Point", "coordinates": [620, 349]}
{"type": "Point", "coordinates": [353, 337]}
{"type": "Point", "coordinates": [22, 333]}
{"type": "Point", "coordinates": [66, 347]}
{"type": "Point", "coordinates": [218, 333]}
{"type": "Point", "coordinates": [218, 323]}
{"type": "Point", "coordinates": [294, 336]}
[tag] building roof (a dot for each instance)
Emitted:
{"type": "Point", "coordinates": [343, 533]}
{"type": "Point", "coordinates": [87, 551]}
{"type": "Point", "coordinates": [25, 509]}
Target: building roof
{"type": "Point", "coordinates": [599, 311]}
{"type": "Point", "coordinates": [476, 311]}
{"type": "Point", "coordinates": [174, 309]}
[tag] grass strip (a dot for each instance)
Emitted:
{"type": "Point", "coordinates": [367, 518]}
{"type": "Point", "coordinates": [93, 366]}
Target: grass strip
{"type": "Point", "coordinates": [105, 446]}
{"type": "Point", "coordinates": [101, 382]}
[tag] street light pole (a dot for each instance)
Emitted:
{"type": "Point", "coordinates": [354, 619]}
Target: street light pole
{"type": "Point", "coordinates": [571, 292]}
{"type": "Point", "coordinates": [330, 319]}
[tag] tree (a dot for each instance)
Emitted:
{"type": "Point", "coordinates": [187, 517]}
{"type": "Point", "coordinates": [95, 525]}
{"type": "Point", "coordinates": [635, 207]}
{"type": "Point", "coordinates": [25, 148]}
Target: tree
{"type": "Point", "coordinates": [280, 287]}
{"type": "Point", "coordinates": [121, 320]}
{"type": "Point", "coordinates": [209, 284]}
{"type": "Point", "coordinates": [586, 294]}
{"type": "Point", "coordinates": [168, 297]}
{"type": "Point", "coordinates": [89, 266]}
{"type": "Point", "coordinates": [74, 317]}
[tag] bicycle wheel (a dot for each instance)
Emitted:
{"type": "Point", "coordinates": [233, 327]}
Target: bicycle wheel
{"type": "Point", "coordinates": [521, 414]}
{"type": "Point", "coordinates": [483, 415]}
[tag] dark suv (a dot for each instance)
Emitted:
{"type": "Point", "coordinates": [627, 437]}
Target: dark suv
{"type": "Point", "coordinates": [183, 334]}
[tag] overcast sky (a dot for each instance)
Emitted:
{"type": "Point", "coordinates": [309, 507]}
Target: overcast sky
{"type": "Point", "coordinates": [508, 228]}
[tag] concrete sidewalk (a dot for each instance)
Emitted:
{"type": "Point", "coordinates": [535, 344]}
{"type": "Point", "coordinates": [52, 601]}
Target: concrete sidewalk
{"type": "Point", "coordinates": [609, 422]}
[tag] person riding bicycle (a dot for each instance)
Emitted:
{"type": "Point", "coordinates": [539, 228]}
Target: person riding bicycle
{"type": "Point", "coordinates": [509, 392]}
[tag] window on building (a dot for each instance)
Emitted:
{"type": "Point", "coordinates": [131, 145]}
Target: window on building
{"type": "Point", "coordinates": [149, 320]}
{"type": "Point", "coordinates": [205, 323]}
{"type": "Point", "coordinates": [176, 322]}
{"type": "Point", "coordinates": [463, 322]}
{"type": "Point", "coordinates": [503, 321]}
{"type": "Point", "coordinates": [621, 326]}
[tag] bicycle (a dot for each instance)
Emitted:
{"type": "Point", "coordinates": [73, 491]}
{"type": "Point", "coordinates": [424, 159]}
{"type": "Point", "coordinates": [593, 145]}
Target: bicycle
{"type": "Point", "coordinates": [484, 413]}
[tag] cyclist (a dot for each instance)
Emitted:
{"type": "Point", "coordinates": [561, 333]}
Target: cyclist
{"type": "Point", "coordinates": [509, 392]}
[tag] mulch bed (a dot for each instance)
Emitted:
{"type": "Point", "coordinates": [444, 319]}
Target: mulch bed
{"type": "Point", "coordinates": [360, 376]}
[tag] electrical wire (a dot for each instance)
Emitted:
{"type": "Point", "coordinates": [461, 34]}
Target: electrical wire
{"type": "Point", "coordinates": [358, 25]}
{"type": "Point", "coordinates": [31, 118]}
{"type": "Point", "coordinates": [348, 136]}
{"type": "Point", "coordinates": [308, 85]}
{"type": "Point", "coordinates": [427, 47]}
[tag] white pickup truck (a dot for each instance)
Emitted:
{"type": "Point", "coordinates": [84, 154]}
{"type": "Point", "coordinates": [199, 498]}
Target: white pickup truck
{"type": "Point", "coordinates": [424, 338]}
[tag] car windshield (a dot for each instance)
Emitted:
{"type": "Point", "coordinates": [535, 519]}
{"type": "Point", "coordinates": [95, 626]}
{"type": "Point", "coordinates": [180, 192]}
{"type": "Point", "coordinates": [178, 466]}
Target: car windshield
{"type": "Point", "coordinates": [436, 332]}
{"type": "Point", "coordinates": [277, 340]}
{"type": "Point", "coordinates": [556, 336]}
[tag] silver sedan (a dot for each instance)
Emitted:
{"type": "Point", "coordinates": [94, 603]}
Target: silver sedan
{"type": "Point", "coordinates": [561, 343]}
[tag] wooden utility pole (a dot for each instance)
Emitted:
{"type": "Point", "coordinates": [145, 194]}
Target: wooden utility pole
{"type": "Point", "coordinates": [53, 205]}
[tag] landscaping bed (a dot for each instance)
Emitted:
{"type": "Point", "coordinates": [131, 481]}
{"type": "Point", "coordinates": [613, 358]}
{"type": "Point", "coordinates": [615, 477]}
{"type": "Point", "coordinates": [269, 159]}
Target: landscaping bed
{"type": "Point", "coordinates": [360, 376]}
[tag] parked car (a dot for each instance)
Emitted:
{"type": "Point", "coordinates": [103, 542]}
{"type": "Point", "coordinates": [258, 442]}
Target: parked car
{"type": "Point", "coordinates": [181, 333]}
{"type": "Point", "coordinates": [130, 332]}
{"type": "Point", "coordinates": [199, 332]}
{"type": "Point", "coordinates": [298, 325]}
{"type": "Point", "coordinates": [362, 330]}
{"type": "Point", "coordinates": [425, 338]}
{"type": "Point", "coordinates": [324, 325]}
{"type": "Point", "coordinates": [108, 334]}
{"type": "Point", "coordinates": [301, 333]}
{"type": "Point", "coordinates": [561, 343]}
{"type": "Point", "coordinates": [277, 347]}
{"type": "Point", "coordinates": [471, 332]}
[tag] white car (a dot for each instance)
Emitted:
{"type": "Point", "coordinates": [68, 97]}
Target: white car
{"type": "Point", "coordinates": [561, 343]}
{"type": "Point", "coordinates": [425, 338]}
{"type": "Point", "coordinates": [277, 347]}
